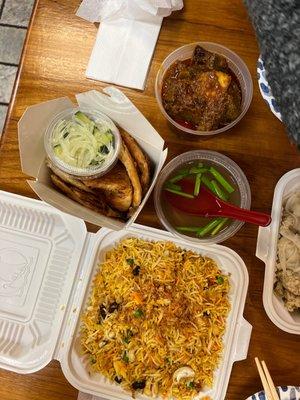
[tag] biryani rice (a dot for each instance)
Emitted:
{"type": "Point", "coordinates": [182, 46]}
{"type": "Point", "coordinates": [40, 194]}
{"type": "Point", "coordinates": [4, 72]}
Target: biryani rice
{"type": "Point", "coordinates": [155, 308]}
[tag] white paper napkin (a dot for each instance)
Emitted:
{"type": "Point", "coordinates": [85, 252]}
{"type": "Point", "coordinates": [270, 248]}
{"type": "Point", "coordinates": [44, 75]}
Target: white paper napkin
{"type": "Point", "coordinates": [126, 38]}
{"type": "Point", "coordinates": [103, 10]}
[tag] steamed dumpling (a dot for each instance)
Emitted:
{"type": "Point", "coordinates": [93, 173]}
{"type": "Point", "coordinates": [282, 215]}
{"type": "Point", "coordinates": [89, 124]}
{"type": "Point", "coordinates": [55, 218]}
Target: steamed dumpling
{"type": "Point", "coordinates": [287, 284]}
{"type": "Point", "coordinates": [288, 255]}
{"type": "Point", "coordinates": [291, 235]}
{"type": "Point", "coordinates": [292, 204]}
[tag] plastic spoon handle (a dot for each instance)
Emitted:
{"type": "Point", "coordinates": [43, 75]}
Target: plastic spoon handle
{"type": "Point", "coordinates": [241, 214]}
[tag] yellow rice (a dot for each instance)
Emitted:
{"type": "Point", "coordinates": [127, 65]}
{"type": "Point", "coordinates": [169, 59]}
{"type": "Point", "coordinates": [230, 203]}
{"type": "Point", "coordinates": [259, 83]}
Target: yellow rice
{"type": "Point", "coordinates": [171, 312]}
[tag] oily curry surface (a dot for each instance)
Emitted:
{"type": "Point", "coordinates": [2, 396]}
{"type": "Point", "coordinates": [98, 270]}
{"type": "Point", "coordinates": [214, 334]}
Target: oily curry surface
{"type": "Point", "coordinates": [201, 93]}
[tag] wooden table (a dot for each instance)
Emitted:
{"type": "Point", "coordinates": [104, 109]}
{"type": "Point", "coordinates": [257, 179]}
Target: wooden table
{"type": "Point", "coordinates": [53, 65]}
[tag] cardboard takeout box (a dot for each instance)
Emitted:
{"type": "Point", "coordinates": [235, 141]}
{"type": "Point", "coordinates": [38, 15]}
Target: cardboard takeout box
{"type": "Point", "coordinates": [113, 103]}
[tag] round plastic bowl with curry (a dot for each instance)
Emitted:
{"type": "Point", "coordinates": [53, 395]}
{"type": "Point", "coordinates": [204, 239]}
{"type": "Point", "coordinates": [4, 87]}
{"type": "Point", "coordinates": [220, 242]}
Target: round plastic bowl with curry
{"type": "Point", "coordinates": [202, 91]}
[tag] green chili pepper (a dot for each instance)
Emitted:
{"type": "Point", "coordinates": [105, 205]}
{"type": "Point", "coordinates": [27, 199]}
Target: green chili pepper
{"type": "Point", "coordinates": [219, 226]}
{"type": "Point", "coordinates": [220, 178]}
{"type": "Point", "coordinates": [171, 185]}
{"type": "Point", "coordinates": [130, 261]}
{"type": "Point", "coordinates": [197, 184]}
{"type": "Point", "coordinates": [189, 196]}
{"type": "Point", "coordinates": [178, 177]}
{"type": "Point", "coordinates": [197, 170]}
{"type": "Point", "coordinates": [209, 227]}
{"type": "Point", "coordinates": [207, 183]}
{"type": "Point", "coordinates": [220, 280]}
{"type": "Point", "coordinates": [219, 191]}
{"type": "Point", "coordinates": [188, 228]}
{"type": "Point", "coordinates": [184, 170]}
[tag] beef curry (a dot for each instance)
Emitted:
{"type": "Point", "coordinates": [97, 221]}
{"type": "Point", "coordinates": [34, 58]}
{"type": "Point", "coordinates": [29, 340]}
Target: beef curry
{"type": "Point", "coordinates": [201, 92]}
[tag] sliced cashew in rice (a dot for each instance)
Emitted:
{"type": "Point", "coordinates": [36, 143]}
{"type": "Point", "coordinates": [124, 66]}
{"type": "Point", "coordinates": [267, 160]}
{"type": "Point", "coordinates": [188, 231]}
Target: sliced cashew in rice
{"type": "Point", "coordinates": [131, 355]}
{"type": "Point", "coordinates": [183, 372]}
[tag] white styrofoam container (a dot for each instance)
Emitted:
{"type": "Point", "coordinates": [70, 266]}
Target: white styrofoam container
{"type": "Point", "coordinates": [266, 250]}
{"type": "Point", "coordinates": [47, 262]}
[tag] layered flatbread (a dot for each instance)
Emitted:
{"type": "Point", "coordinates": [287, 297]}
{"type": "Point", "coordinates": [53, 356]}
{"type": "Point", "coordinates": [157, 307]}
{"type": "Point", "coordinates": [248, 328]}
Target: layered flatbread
{"type": "Point", "coordinates": [127, 161]}
{"type": "Point", "coordinates": [141, 159]}
{"type": "Point", "coordinates": [115, 185]}
{"type": "Point", "coordinates": [89, 200]}
{"type": "Point", "coordinates": [69, 179]}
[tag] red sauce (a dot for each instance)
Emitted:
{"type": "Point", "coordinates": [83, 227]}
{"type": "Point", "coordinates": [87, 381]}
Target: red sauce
{"type": "Point", "coordinates": [201, 93]}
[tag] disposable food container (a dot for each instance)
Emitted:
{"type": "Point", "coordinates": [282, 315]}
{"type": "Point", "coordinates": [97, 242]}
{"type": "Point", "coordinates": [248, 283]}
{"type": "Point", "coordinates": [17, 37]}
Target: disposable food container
{"type": "Point", "coordinates": [47, 263]}
{"type": "Point", "coordinates": [97, 117]}
{"type": "Point", "coordinates": [235, 63]}
{"type": "Point", "coordinates": [218, 160]}
{"type": "Point", "coordinates": [113, 105]}
{"type": "Point", "coordinates": [266, 250]}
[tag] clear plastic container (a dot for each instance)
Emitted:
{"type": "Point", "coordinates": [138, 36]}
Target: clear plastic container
{"type": "Point", "coordinates": [93, 171]}
{"type": "Point", "coordinates": [235, 63]}
{"type": "Point", "coordinates": [218, 160]}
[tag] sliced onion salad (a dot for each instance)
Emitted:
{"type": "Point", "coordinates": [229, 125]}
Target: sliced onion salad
{"type": "Point", "coordinates": [82, 142]}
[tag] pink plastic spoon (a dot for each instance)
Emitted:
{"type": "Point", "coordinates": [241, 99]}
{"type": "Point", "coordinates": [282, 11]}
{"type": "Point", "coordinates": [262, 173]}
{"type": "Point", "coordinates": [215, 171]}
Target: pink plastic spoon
{"type": "Point", "coordinates": [207, 204]}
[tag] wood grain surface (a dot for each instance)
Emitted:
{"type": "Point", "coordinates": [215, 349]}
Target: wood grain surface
{"type": "Point", "coordinates": [53, 65]}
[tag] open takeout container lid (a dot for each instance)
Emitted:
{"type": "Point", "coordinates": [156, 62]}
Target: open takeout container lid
{"type": "Point", "coordinates": [113, 103]}
{"type": "Point", "coordinates": [266, 250]}
{"type": "Point", "coordinates": [47, 264]}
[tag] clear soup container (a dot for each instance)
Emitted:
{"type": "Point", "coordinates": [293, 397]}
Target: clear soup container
{"type": "Point", "coordinates": [224, 165]}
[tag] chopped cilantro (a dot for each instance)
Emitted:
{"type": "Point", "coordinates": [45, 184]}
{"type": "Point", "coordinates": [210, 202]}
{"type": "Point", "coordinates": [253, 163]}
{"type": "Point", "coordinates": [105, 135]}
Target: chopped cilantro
{"type": "Point", "coordinates": [138, 313]}
{"type": "Point", "coordinates": [191, 385]}
{"type": "Point", "coordinates": [125, 357]}
{"type": "Point", "coordinates": [128, 337]}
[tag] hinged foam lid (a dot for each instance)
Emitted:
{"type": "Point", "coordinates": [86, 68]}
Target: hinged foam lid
{"type": "Point", "coordinates": [40, 249]}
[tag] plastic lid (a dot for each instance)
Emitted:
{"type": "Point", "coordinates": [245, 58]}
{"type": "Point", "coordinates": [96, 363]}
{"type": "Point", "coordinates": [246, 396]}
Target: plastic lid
{"type": "Point", "coordinates": [40, 249]}
{"type": "Point", "coordinates": [218, 160]}
{"type": "Point", "coordinates": [91, 171]}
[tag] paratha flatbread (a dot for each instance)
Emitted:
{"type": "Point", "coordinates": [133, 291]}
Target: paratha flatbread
{"type": "Point", "coordinates": [89, 200]}
{"type": "Point", "coordinates": [127, 160]}
{"type": "Point", "coordinates": [68, 178]}
{"type": "Point", "coordinates": [115, 185]}
{"type": "Point", "coordinates": [141, 159]}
